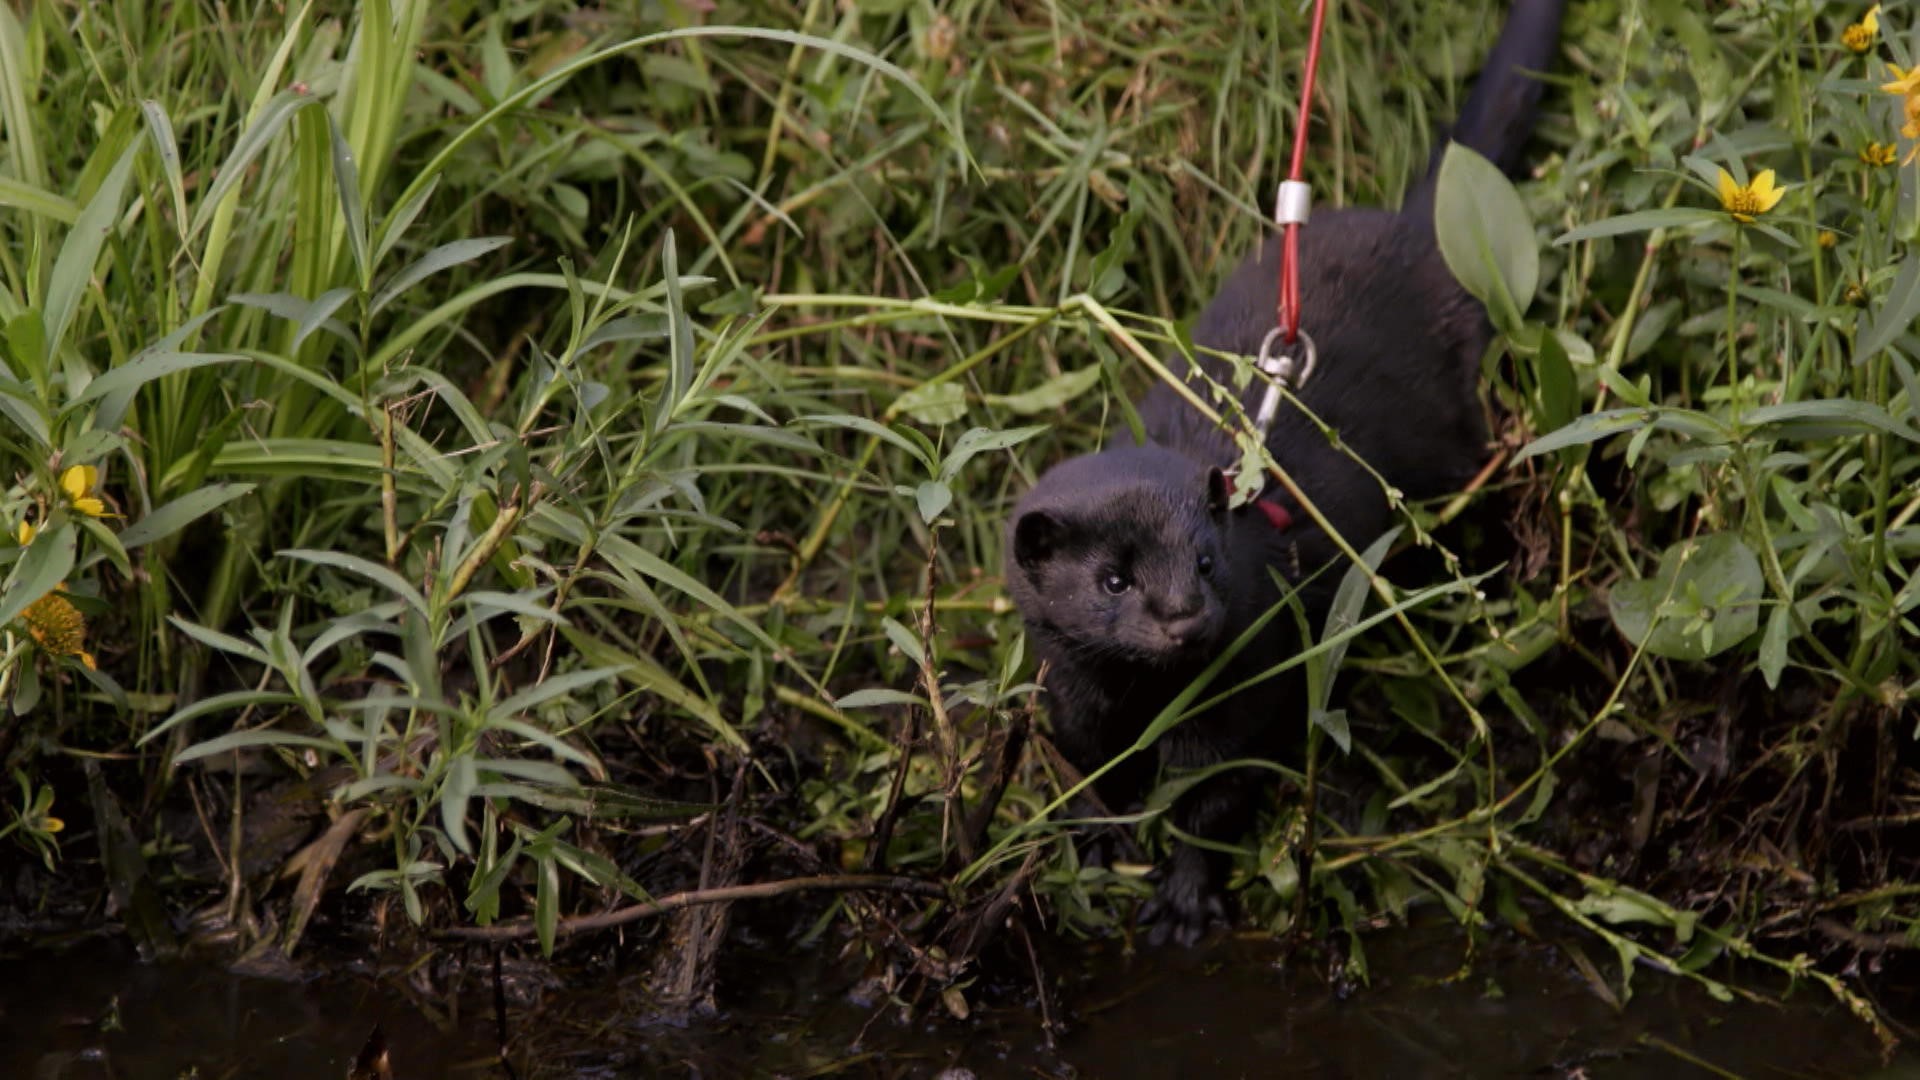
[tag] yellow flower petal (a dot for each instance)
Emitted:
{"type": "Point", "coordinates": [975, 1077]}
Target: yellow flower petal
{"type": "Point", "coordinates": [90, 506]}
{"type": "Point", "coordinates": [1904, 82]}
{"type": "Point", "coordinates": [1727, 187]}
{"type": "Point", "coordinates": [53, 824]}
{"type": "Point", "coordinates": [78, 480]}
{"type": "Point", "coordinates": [26, 532]}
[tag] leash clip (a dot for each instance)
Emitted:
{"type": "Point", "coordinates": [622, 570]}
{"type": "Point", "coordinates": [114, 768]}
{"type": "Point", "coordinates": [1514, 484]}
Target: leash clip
{"type": "Point", "coordinates": [1280, 367]}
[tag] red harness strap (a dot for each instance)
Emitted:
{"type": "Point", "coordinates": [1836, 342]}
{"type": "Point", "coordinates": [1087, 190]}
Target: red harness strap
{"type": "Point", "coordinates": [1276, 514]}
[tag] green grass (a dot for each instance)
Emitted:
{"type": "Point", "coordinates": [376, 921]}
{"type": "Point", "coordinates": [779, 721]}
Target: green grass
{"type": "Point", "coordinates": [491, 403]}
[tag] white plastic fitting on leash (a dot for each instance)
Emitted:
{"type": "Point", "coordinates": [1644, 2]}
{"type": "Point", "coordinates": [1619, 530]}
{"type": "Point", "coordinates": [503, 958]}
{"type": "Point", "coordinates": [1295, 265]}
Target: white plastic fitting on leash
{"type": "Point", "coordinates": [1281, 368]}
{"type": "Point", "coordinates": [1292, 203]}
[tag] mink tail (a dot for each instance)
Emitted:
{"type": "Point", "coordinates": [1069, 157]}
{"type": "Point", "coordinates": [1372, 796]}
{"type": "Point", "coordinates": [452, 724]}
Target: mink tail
{"type": "Point", "coordinates": [1498, 116]}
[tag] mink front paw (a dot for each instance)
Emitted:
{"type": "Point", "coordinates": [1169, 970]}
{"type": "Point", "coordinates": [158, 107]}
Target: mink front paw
{"type": "Point", "coordinates": [1186, 905]}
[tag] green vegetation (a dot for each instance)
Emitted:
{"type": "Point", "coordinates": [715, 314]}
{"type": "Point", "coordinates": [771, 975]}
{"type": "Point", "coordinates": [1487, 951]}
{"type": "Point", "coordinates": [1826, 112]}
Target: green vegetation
{"type": "Point", "coordinates": [573, 442]}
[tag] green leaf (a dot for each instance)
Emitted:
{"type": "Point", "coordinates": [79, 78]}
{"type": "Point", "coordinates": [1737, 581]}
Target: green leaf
{"type": "Point", "coordinates": [461, 780]}
{"type": "Point", "coordinates": [176, 515]}
{"type": "Point", "coordinates": [1704, 600]}
{"type": "Point", "coordinates": [1829, 417]}
{"type": "Point", "coordinates": [264, 127]}
{"type": "Point", "coordinates": [45, 565]}
{"type": "Point", "coordinates": [933, 403]}
{"type": "Point", "coordinates": [981, 441]}
{"type": "Point", "coordinates": [346, 181]}
{"type": "Point", "coordinates": [876, 697]}
{"type": "Point", "coordinates": [1049, 395]}
{"type": "Point", "coordinates": [225, 643]}
{"type": "Point", "coordinates": [1486, 234]}
{"type": "Point", "coordinates": [545, 691]}
{"type": "Point", "coordinates": [1590, 428]}
{"type": "Point", "coordinates": [932, 497]}
{"type": "Point", "coordinates": [904, 639]}
{"type": "Point", "coordinates": [1894, 315]}
{"type": "Point", "coordinates": [365, 568]}
{"type": "Point", "coordinates": [73, 268]}
{"type": "Point", "coordinates": [1559, 390]}
{"type": "Point", "coordinates": [1640, 221]}
{"type": "Point", "coordinates": [444, 257]}
{"type": "Point", "coordinates": [1773, 645]}
{"type": "Point", "coordinates": [160, 130]}
{"type": "Point", "coordinates": [873, 428]}
{"type": "Point", "coordinates": [319, 314]}
{"type": "Point", "coordinates": [240, 740]}
{"type": "Point", "coordinates": [24, 196]}
{"type": "Point", "coordinates": [143, 370]}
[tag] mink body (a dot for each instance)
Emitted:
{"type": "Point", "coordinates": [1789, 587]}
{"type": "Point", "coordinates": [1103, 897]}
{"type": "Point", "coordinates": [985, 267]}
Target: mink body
{"type": "Point", "coordinates": [1131, 572]}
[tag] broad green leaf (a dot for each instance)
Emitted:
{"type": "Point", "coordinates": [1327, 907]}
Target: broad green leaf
{"type": "Point", "coordinates": [225, 643]}
{"type": "Point", "coordinates": [444, 257]}
{"type": "Point", "coordinates": [1704, 600]}
{"type": "Point", "coordinates": [1049, 395]}
{"type": "Point", "coordinates": [24, 196]}
{"type": "Point", "coordinates": [139, 372]}
{"type": "Point", "coordinates": [176, 515]}
{"type": "Point", "coordinates": [73, 268]}
{"type": "Point", "coordinates": [1486, 235]}
{"type": "Point", "coordinates": [904, 639]}
{"type": "Point", "coordinates": [319, 314]}
{"type": "Point", "coordinates": [934, 404]}
{"type": "Point", "coordinates": [877, 697]}
{"type": "Point", "coordinates": [45, 565]}
{"type": "Point", "coordinates": [932, 497]}
{"type": "Point", "coordinates": [1590, 428]}
{"type": "Point", "coordinates": [982, 441]}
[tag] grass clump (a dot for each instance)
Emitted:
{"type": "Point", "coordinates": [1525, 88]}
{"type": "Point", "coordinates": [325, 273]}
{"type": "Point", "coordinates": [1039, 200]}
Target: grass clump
{"type": "Point", "coordinates": [569, 447]}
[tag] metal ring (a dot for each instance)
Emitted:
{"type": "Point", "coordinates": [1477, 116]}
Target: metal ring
{"type": "Point", "coordinates": [1280, 369]}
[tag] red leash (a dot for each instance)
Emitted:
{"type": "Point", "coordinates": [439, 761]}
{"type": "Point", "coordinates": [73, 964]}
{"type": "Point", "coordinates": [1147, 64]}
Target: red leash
{"type": "Point", "coordinates": [1292, 212]}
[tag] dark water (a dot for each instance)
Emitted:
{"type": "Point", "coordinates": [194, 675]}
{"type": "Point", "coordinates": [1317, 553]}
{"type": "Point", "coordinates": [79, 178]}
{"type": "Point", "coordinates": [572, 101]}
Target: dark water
{"type": "Point", "coordinates": [1233, 1009]}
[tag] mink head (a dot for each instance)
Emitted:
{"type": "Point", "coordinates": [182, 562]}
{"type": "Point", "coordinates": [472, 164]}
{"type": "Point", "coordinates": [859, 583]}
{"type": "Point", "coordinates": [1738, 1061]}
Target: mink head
{"type": "Point", "coordinates": [1120, 557]}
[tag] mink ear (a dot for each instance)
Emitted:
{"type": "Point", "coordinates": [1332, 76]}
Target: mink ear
{"type": "Point", "coordinates": [1219, 490]}
{"type": "Point", "coordinates": [1036, 536]}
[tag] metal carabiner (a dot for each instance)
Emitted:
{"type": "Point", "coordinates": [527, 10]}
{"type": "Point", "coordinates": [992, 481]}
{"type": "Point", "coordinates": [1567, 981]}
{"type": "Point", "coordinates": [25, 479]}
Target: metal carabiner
{"type": "Point", "coordinates": [1280, 368]}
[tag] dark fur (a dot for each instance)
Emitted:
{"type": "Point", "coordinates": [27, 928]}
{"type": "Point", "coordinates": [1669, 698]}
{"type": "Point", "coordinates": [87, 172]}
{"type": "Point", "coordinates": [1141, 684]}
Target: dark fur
{"type": "Point", "coordinates": [1399, 344]}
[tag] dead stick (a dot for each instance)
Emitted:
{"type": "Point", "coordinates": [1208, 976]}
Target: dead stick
{"type": "Point", "coordinates": [579, 924]}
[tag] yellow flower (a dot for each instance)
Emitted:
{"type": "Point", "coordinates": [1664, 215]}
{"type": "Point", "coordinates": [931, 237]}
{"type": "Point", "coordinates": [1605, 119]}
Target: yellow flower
{"type": "Point", "coordinates": [78, 483]}
{"type": "Point", "coordinates": [58, 627]}
{"type": "Point", "coordinates": [1905, 83]}
{"type": "Point", "coordinates": [1877, 153]}
{"type": "Point", "coordinates": [26, 532]}
{"type": "Point", "coordinates": [1757, 197]}
{"type": "Point", "coordinates": [1827, 239]}
{"type": "Point", "coordinates": [1859, 37]}
{"type": "Point", "coordinates": [51, 824]}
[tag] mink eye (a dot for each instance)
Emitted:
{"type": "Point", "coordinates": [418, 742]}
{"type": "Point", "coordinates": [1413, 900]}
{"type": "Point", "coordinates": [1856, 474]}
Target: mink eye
{"type": "Point", "coordinates": [1116, 582]}
{"type": "Point", "coordinates": [1205, 566]}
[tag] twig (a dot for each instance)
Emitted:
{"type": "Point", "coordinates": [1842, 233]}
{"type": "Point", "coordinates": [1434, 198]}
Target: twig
{"type": "Point", "coordinates": [580, 924]}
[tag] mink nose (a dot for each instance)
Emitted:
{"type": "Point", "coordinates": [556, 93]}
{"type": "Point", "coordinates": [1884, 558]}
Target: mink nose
{"type": "Point", "coordinates": [1185, 629]}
